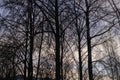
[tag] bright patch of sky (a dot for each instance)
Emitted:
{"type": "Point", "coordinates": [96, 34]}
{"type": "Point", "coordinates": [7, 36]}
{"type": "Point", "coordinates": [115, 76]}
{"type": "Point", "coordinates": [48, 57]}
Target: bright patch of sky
{"type": "Point", "coordinates": [1, 10]}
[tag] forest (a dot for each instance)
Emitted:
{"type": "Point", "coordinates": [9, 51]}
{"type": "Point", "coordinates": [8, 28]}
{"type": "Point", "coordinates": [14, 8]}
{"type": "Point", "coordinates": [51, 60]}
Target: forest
{"type": "Point", "coordinates": [59, 39]}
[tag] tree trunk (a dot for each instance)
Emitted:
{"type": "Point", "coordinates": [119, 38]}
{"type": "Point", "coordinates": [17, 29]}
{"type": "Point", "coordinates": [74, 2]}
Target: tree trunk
{"type": "Point", "coordinates": [62, 52]}
{"type": "Point", "coordinates": [14, 68]}
{"type": "Point", "coordinates": [38, 66]}
{"type": "Point", "coordinates": [80, 60]}
{"type": "Point", "coordinates": [31, 26]}
{"type": "Point", "coordinates": [26, 52]}
{"type": "Point", "coordinates": [88, 42]}
{"type": "Point", "coordinates": [79, 31]}
{"type": "Point", "coordinates": [57, 42]}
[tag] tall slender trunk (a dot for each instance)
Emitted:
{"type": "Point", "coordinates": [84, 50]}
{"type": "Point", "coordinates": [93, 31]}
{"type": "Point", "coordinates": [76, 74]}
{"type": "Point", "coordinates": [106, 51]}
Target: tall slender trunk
{"type": "Point", "coordinates": [38, 66]}
{"type": "Point", "coordinates": [26, 51]}
{"type": "Point", "coordinates": [89, 50]}
{"type": "Point", "coordinates": [62, 51]}
{"type": "Point", "coordinates": [25, 65]}
{"type": "Point", "coordinates": [88, 42]}
{"type": "Point", "coordinates": [62, 64]}
{"type": "Point", "coordinates": [79, 51]}
{"type": "Point", "coordinates": [80, 60]}
{"type": "Point", "coordinates": [14, 71]}
{"type": "Point", "coordinates": [31, 26]}
{"type": "Point", "coordinates": [57, 59]}
{"type": "Point", "coordinates": [57, 42]}
{"type": "Point", "coordinates": [79, 31]}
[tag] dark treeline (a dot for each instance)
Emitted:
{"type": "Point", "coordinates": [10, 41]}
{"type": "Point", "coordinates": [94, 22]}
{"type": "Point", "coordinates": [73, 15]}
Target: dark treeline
{"type": "Point", "coordinates": [59, 39]}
